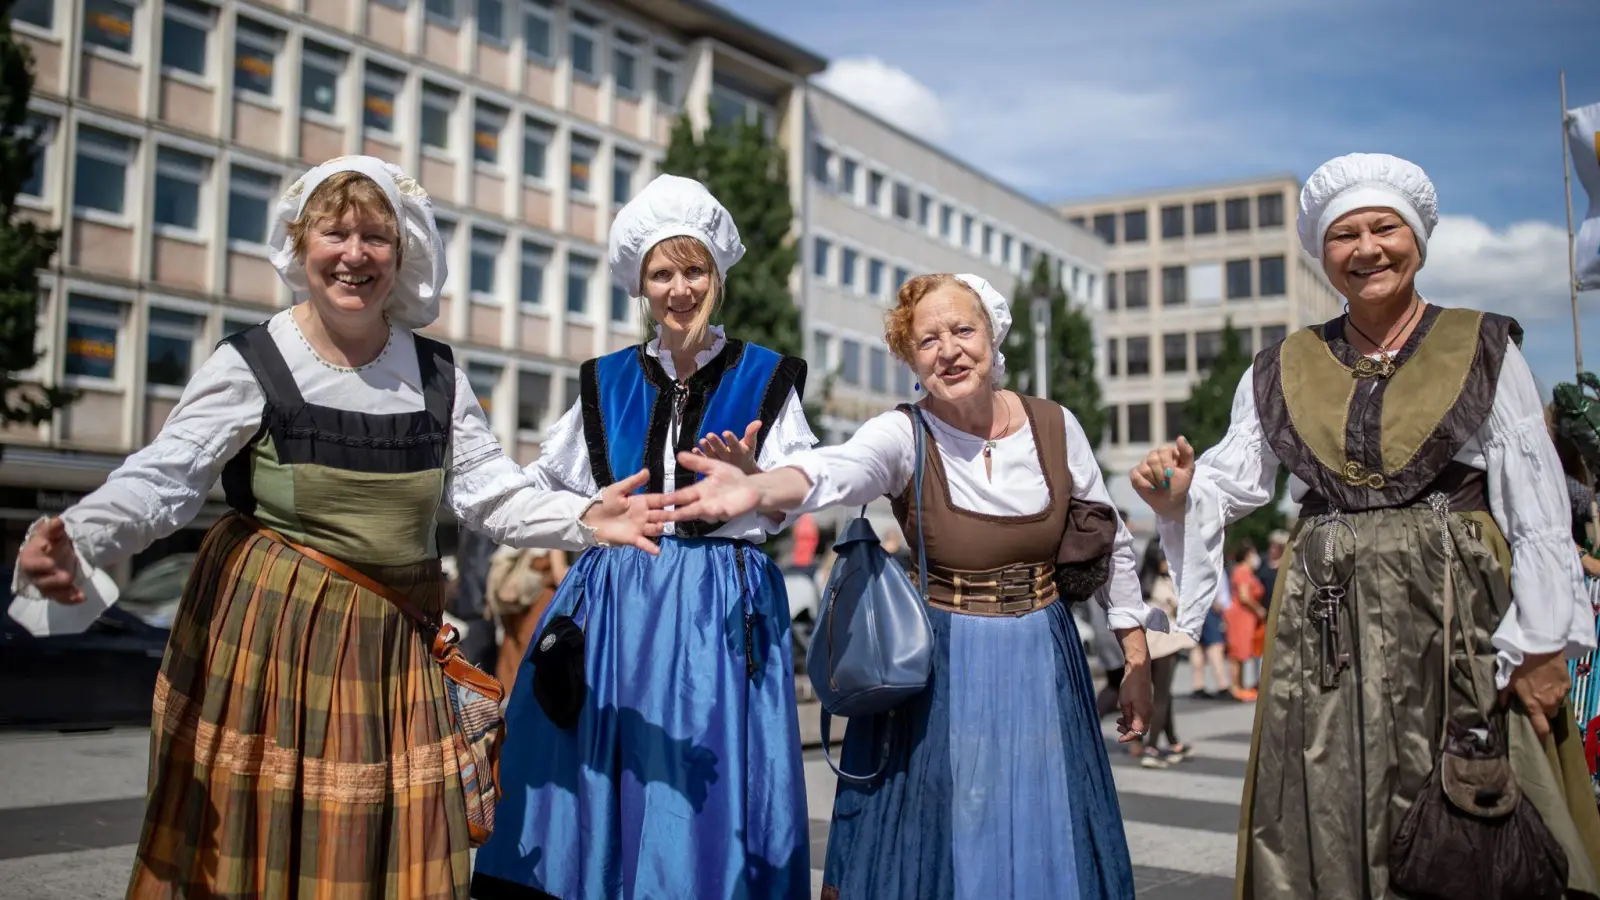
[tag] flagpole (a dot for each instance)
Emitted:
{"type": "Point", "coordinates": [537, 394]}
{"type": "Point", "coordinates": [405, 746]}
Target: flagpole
{"type": "Point", "coordinates": [1572, 256]}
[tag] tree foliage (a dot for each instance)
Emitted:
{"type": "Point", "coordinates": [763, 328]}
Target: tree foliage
{"type": "Point", "coordinates": [1069, 351]}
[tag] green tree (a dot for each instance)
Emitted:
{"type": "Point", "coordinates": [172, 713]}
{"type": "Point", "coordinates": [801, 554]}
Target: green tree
{"type": "Point", "coordinates": [24, 247]}
{"type": "Point", "coordinates": [1206, 415]}
{"type": "Point", "coordinates": [1069, 351]}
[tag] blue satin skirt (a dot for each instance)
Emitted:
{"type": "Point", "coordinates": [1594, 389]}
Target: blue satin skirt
{"type": "Point", "coordinates": [682, 779]}
{"type": "Point", "coordinates": [998, 783]}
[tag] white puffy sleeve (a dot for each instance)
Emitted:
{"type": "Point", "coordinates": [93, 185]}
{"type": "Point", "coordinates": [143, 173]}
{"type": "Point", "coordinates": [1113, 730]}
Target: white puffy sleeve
{"type": "Point", "coordinates": [1550, 610]}
{"type": "Point", "coordinates": [563, 462]}
{"type": "Point", "coordinates": [489, 493]}
{"type": "Point", "coordinates": [1231, 480]}
{"type": "Point", "coordinates": [1122, 596]}
{"type": "Point", "coordinates": [876, 461]}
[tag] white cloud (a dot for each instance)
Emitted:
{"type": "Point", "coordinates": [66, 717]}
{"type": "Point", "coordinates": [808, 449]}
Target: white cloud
{"type": "Point", "coordinates": [1520, 271]}
{"type": "Point", "coordinates": [890, 93]}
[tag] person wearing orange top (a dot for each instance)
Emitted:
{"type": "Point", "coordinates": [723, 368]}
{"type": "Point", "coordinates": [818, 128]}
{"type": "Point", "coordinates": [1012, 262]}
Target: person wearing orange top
{"type": "Point", "coordinates": [1245, 619]}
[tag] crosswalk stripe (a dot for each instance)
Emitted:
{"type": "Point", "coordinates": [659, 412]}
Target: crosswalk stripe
{"type": "Point", "coordinates": [1174, 782]}
{"type": "Point", "coordinates": [1193, 850]}
{"type": "Point", "coordinates": [35, 765]}
{"type": "Point", "coordinates": [71, 875]}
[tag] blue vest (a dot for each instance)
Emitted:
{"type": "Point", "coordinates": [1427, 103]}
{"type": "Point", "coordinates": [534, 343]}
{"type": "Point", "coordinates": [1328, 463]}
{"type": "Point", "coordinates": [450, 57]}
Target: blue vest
{"type": "Point", "coordinates": [628, 405]}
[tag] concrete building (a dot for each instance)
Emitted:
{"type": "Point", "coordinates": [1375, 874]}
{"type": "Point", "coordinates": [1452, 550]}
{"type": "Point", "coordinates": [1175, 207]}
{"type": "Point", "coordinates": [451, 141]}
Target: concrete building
{"type": "Point", "coordinates": [1181, 264]}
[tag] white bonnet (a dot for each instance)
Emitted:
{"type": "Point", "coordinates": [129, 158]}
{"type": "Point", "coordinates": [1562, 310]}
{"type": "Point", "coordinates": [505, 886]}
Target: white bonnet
{"type": "Point", "coordinates": [414, 299]}
{"type": "Point", "coordinates": [670, 206]}
{"type": "Point", "coordinates": [1363, 180]}
{"type": "Point", "coordinates": [994, 303]}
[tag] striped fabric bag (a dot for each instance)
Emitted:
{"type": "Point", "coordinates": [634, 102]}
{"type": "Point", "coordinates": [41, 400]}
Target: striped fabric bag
{"type": "Point", "coordinates": [1586, 692]}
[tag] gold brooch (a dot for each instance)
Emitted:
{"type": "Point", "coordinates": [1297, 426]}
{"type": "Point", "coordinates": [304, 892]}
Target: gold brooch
{"type": "Point", "coordinates": [1367, 367]}
{"type": "Point", "coordinates": [1355, 476]}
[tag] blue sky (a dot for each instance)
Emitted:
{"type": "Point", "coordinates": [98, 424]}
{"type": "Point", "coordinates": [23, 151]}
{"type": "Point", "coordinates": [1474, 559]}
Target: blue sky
{"type": "Point", "coordinates": [1068, 100]}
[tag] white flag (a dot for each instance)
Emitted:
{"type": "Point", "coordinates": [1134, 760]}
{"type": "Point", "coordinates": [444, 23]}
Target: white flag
{"type": "Point", "coordinates": [1583, 134]}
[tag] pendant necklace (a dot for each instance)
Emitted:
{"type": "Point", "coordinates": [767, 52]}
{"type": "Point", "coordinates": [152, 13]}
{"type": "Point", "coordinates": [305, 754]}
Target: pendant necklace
{"type": "Point", "coordinates": [1384, 365]}
{"type": "Point", "coordinates": [988, 444]}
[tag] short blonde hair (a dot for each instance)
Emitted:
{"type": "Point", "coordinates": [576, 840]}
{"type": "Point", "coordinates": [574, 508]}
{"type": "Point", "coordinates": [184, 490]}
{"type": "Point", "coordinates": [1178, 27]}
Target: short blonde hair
{"type": "Point", "coordinates": [897, 322]}
{"type": "Point", "coordinates": [684, 251]}
{"type": "Point", "coordinates": [339, 194]}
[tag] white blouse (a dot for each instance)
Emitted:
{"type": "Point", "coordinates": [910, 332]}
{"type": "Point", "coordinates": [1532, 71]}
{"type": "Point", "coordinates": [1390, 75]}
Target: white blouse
{"type": "Point", "coordinates": [563, 462]}
{"type": "Point", "coordinates": [161, 488]}
{"type": "Point", "coordinates": [1527, 495]}
{"type": "Point", "coordinates": [880, 460]}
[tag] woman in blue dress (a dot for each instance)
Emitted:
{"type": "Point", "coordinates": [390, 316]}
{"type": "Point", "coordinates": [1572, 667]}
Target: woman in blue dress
{"type": "Point", "coordinates": [997, 782]}
{"type": "Point", "coordinates": [682, 778]}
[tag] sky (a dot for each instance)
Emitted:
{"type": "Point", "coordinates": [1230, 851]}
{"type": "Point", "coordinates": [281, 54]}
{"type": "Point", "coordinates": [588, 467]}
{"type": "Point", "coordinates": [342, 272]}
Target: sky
{"type": "Point", "coordinates": [1069, 100]}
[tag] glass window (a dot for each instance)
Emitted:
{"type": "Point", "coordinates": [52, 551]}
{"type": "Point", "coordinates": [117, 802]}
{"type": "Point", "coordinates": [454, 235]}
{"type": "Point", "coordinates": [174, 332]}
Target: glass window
{"type": "Point", "coordinates": [1171, 222]}
{"type": "Point", "coordinates": [625, 63]}
{"type": "Point", "coordinates": [250, 197]}
{"type": "Point", "coordinates": [579, 271]}
{"type": "Point", "coordinates": [488, 122]}
{"type": "Point", "coordinates": [875, 277]}
{"type": "Point", "coordinates": [1136, 289]}
{"type": "Point", "coordinates": [582, 45]}
{"type": "Point", "coordinates": [1114, 425]}
{"type": "Point", "coordinates": [1269, 211]}
{"type": "Point", "coordinates": [821, 343]}
{"type": "Point", "coordinates": [821, 160]}
{"type": "Point", "coordinates": [878, 370]}
{"type": "Point", "coordinates": [1005, 248]}
{"type": "Point", "coordinates": [484, 379]}
{"type": "Point", "coordinates": [1207, 347]}
{"type": "Point", "coordinates": [1135, 226]}
{"type": "Point", "coordinates": [492, 21]}
{"type": "Point", "coordinates": [441, 9]}
{"type": "Point", "coordinates": [536, 32]}
{"type": "Point", "coordinates": [41, 131]}
{"type": "Point", "coordinates": [1174, 285]}
{"type": "Point", "coordinates": [1138, 423]}
{"type": "Point", "coordinates": [255, 49]}
{"type": "Point", "coordinates": [1236, 212]}
{"type": "Point", "coordinates": [535, 259]}
{"type": "Point", "coordinates": [573, 388]}
{"type": "Point", "coordinates": [924, 210]}
{"type": "Point", "coordinates": [93, 329]}
{"type": "Point", "coordinates": [988, 240]}
{"type": "Point", "coordinates": [874, 189]}
{"type": "Point", "coordinates": [1205, 283]}
{"type": "Point", "coordinates": [1175, 353]}
{"type": "Point", "coordinates": [377, 105]}
{"type": "Point", "coordinates": [1112, 297]}
{"type": "Point", "coordinates": [1112, 362]}
{"type": "Point", "coordinates": [437, 102]}
{"type": "Point", "coordinates": [847, 176]}
{"type": "Point", "coordinates": [819, 257]}
{"type": "Point", "coordinates": [1105, 225]}
{"type": "Point", "coordinates": [1138, 355]}
{"type": "Point", "coordinates": [902, 379]}
{"type": "Point", "coordinates": [902, 201]}
{"type": "Point", "coordinates": [1173, 411]}
{"type": "Point", "coordinates": [850, 361]}
{"type": "Point", "coordinates": [1272, 335]}
{"type": "Point", "coordinates": [966, 230]}
{"type": "Point", "coordinates": [169, 347]}
{"type": "Point", "coordinates": [320, 70]}
{"type": "Point", "coordinates": [109, 24]}
{"type": "Point", "coordinates": [947, 222]}
{"type": "Point", "coordinates": [620, 301]}
{"type": "Point", "coordinates": [536, 137]}
{"type": "Point", "coordinates": [185, 31]}
{"type": "Point", "coordinates": [533, 400]}
{"type": "Point", "coordinates": [847, 266]}
{"type": "Point", "coordinates": [179, 177]}
{"type": "Point", "coordinates": [484, 255]}
{"type": "Point", "coordinates": [579, 168]}
{"type": "Point", "coordinates": [35, 12]}
{"type": "Point", "coordinates": [666, 87]}
{"type": "Point", "coordinates": [101, 172]}
{"type": "Point", "coordinates": [1205, 217]}
{"type": "Point", "coordinates": [623, 167]}
{"type": "Point", "coordinates": [1273, 276]}
{"type": "Point", "coordinates": [1238, 278]}
{"type": "Point", "coordinates": [901, 276]}
{"type": "Point", "coordinates": [1027, 261]}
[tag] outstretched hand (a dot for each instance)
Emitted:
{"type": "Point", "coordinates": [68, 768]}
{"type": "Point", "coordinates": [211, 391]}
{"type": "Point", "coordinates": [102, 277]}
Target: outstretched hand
{"type": "Point", "coordinates": [730, 448]}
{"type": "Point", "coordinates": [49, 561]}
{"type": "Point", "coordinates": [1163, 478]}
{"type": "Point", "coordinates": [724, 493]}
{"type": "Point", "coordinates": [622, 519]}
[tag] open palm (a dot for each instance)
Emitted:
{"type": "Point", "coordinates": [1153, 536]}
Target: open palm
{"type": "Point", "coordinates": [725, 492]}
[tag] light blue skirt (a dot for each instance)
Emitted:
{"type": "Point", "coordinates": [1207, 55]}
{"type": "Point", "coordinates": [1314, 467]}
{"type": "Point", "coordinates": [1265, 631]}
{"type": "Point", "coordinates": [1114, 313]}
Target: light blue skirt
{"type": "Point", "coordinates": [682, 779]}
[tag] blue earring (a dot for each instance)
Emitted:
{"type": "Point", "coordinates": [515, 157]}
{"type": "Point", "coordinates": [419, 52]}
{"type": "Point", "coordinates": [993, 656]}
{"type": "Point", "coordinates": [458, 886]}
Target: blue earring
{"type": "Point", "coordinates": [917, 387]}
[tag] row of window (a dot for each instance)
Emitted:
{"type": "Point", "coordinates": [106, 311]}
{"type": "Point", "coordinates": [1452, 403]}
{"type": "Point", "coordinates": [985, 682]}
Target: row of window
{"type": "Point", "coordinates": [855, 271]}
{"type": "Point", "coordinates": [880, 366]}
{"type": "Point", "coordinates": [1131, 355]}
{"type": "Point", "coordinates": [1200, 284]}
{"type": "Point", "coordinates": [1198, 218]}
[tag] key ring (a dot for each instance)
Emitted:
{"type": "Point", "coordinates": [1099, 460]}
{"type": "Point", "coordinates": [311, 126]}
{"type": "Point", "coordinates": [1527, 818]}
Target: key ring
{"type": "Point", "coordinates": [1336, 520]}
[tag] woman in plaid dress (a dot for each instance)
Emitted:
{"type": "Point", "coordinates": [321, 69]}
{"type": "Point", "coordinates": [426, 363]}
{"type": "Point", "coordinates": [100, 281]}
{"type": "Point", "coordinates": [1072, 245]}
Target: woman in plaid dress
{"type": "Point", "coordinates": [299, 741]}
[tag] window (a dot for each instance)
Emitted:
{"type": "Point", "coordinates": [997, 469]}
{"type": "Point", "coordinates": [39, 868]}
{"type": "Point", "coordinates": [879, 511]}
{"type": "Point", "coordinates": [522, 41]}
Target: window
{"type": "Point", "coordinates": [255, 49]}
{"type": "Point", "coordinates": [819, 257]}
{"type": "Point", "coordinates": [437, 103]}
{"type": "Point", "coordinates": [1174, 285]}
{"type": "Point", "coordinates": [101, 172]}
{"type": "Point", "coordinates": [821, 160]}
{"type": "Point", "coordinates": [847, 267]}
{"type": "Point", "coordinates": [185, 32]}
{"type": "Point", "coordinates": [902, 201]}
{"type": "Point", "coordinates": [582, 46]}
{"type": "Point", "coordinates": [850, 361]}
{"type": "Point", "coordinates": [901, 276]}
{"type": "Point", "coordinates": [1027, 262]}
{"type": "Point", "coordinates": [179, 177]}
{"type": "Point", "coordinates": [623, 167]}
{"type": "Point", "coordinates": [320, 70]}
{"type": "Point", "coordinates": [1114, 425]}
{"type": "Point", "coordinates": [536, 137]}
{"type": "Point", "coordinates": [666, 87]}
{"type": "Point", "coordinates": [875, 277]}
{"type": "Point", "coordinates": [874, 189]}
{"type": "Point", "coordinates": [441, 9]}
{"type": "Point", "coordinates": [377, 103]}
{"type": "Point", "coordinates": [1205, 283]}
{"type": "Point", "coordinates": [1171, 222]}
{"type": "Point", "coordinates": [488, 123]}
{"type": "Point", "coordinates": [1207, 347]}
{"type": "Point", "coordinates": [484, 378]}
{"type": "Point", "coordinates": [1273, 277]}
{"type": "Point", "coordinates": [169, 347]}
{"type": "Point", "coordinates": [536, 30]}
{"type": "Point", "coordinates": [484, 257]}
{"type": "Point", "coordinates": [93, 327]}
{"type": "Point", "coordinates": [579, 271]}
{"type": "Point", "coordinates": [573, 388]}
{"type": "Point", "coordinates": [1205, 217]}
{"type": "Point", "coordinates": [619, 304]}
{"type": "Point", "coordinates": [988, 241]}
{"type": "Point", "coordinates": [1111, 290]}
{"type": "Point", "coordinates": [902, 379]}
{"type": "Point", "coordinates": [1236, 213]}
{"type": "Point", "coordinates": [730, 106]}
{"type": "Point", "coordinates": [847, 176]}
{"type": "Point", "coordinates": [1135, 226]}
{"type": "Point", "coordinates": [1175, 353]}
{"type": "Point", "coordinates": [1079, 221]}
{"type": "Point", "coordinates": [1005, 248]}
{"type": "Point", "coordinates": [535, 259]}
{"type": "Point", "coordinates": [492, 21]}
{"type": "Point", "coordinates": [41, 132]}
{"type": "Point", "coordinates": [236, 326]}
{"type": "Point", "coordinates": [1238, 279]}
{"type": "Point", "coordinates": [1245, 339]}
{"type": "Point", "coordinates": [966, 230]}
{"type": "Point", "coordinates": [1105, 225]}
{"type": "Point", "coordinates": [250, 197]}
{"type": "Point", "coordinates": [1112, 362]}
{"type": "Point", "coordinates": [1174, 416]}
{"type": "Point", "coordinates": [924, 210]}
{"type": "Point", "coordinates": [533, 400]}
{"type": "Point", "coordinates": [1136, 288]}
{"type": "Point", "coordinates": [109, 24]}
{"type": "Point", "coordinates": [41, 13]}
{"type": "Point", "coordinates": [1269, 211]}
{"type": "Point", "coordinates": [1272, 335]}
{"type": "Point", "coordinates": [1138, 423]}
{"type": "Point", "coordinates": [878, 369]}
{"type": "Point", "coordinates": [625, 64]}
{"type": "Point", "coordinates": [1138, 356]}
{"type": "Point", "coordinates": [579, 164]}
{"type": "Point", "coordinates": [821, 341]}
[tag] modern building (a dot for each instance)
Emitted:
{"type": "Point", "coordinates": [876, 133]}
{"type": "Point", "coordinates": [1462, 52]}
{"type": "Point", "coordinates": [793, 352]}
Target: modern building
{"type": "Point", "coordinates": [1181, 265]}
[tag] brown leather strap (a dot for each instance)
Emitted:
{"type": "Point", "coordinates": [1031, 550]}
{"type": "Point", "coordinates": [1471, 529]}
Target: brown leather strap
{"type": "Point", "coordinates": [344, 570]}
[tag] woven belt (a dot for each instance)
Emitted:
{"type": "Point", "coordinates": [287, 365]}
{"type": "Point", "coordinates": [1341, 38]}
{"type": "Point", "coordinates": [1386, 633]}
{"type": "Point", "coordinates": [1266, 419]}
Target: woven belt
{"type": "Point", "coordinates": [1007, 591]}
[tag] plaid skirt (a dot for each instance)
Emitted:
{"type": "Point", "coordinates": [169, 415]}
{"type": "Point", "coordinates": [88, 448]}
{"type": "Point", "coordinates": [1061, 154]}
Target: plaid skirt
{"type": "Point", "coordinates": [300, 742]}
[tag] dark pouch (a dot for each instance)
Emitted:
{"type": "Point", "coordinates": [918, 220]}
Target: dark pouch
{"type": "Point", "coordinates": [560, 682]}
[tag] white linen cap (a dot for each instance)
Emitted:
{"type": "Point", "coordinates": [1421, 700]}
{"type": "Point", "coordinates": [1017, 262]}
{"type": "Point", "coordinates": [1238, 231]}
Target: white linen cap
{"type": "Point", "coordinates": [670, 206]}
{"type": "Point", "coordinates": [414, 299]}
{"type": "Point", "coordinates": [1363, 180]}
{"type": "Point", "coordinates": [994, 303]}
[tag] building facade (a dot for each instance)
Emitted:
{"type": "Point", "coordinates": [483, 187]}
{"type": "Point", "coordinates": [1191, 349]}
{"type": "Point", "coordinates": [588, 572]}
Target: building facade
{"type": "Point", "coordinates": [1181, 266]}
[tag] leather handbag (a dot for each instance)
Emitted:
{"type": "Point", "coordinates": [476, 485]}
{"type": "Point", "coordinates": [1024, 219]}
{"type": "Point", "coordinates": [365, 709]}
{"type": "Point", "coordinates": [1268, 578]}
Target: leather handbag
{"type": "Point", "coordinates": [560, 682]}
{"type": "Point", "coordinates": [873, 645]}
{"type": "Point", "coordinates": [477, 727]}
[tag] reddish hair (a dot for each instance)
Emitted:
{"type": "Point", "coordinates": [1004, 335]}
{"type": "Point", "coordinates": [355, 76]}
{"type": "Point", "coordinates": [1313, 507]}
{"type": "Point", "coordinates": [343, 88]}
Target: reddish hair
{"type": "Point", "coordinates": [897, 322]}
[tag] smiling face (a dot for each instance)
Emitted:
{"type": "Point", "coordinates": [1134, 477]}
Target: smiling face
{"type": "Point", "coordinates": [348, 239]}
{"type": "Point", "coordinates": [681, 286]}
{"type": "Point", "coordinates": [1371, 256]}
{"type": "Point", "coordinates": [951, 349]}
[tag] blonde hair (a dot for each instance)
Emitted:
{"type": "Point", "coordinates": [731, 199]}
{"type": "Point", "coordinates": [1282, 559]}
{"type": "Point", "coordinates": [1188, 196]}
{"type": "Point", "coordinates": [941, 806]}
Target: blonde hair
{"type": "Point", "coordinates": [683, 251]}
{"type": "Point", "coordinates": [339, 194]}
{"type": "Point", "coordinates": [897, 322]}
